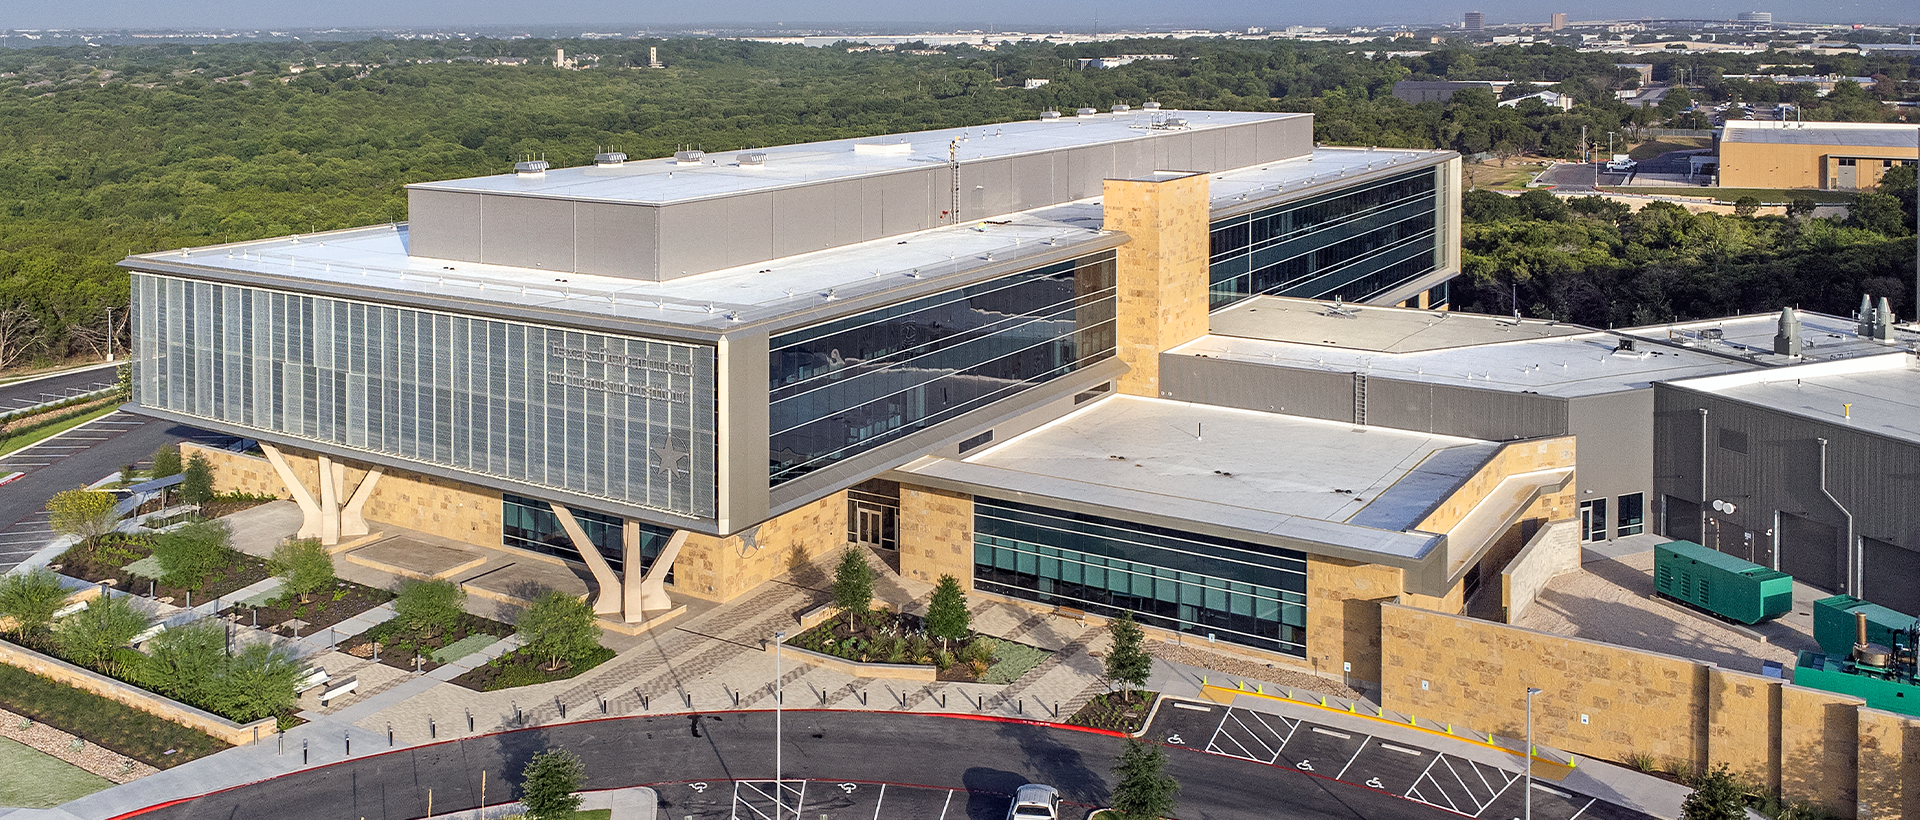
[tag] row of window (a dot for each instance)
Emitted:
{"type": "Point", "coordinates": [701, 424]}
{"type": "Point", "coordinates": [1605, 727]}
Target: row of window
{"type": "Point", "coordinates": [1354, 243]}
{"type": "Point", "coordinates": [529, 524]}
{"type": "Point", "coordinates": [1631, 520]}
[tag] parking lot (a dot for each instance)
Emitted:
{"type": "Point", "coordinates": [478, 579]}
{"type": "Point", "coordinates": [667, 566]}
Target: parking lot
{"type": "Point", "coordinates": [834, 800]}
{"type": "Point", "coordinates": [1467, 787]}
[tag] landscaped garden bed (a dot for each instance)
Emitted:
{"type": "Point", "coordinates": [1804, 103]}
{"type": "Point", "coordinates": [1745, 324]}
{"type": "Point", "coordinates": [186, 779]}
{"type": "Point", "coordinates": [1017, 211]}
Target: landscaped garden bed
{"type": "Point", "coordinates": [888, 637]}
{"type": "Point", "coordinates": [319, 610]}
{"type": "Point", "coordinates": [524, 668]}
{"type": "Point", "coordinates": [147, 738]}
{"type": "Point", "coordinates": [1124, 712]}
{"type": "Point", "coordinates": [229, 503]}
{"type": "Point", "coordinates": [107, 559]}
{"type": "Point", "coordinates": [399, 645]}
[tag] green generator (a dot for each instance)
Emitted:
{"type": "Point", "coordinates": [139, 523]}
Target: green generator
{"type": "Point", "coordinates": [1721, 584]}
{"type": "Point", "coordinates": [1834, 623]}
{"type": "Point", "coordinates": [1891, 689]}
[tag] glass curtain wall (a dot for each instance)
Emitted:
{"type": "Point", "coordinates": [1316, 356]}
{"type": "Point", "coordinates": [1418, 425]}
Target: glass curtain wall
{"type": "Point", "coordinates": [1353, 243]}
{"type": "Point", "coordinates": [529, 524]}
{"type": "Point", "coordinates": [1231, 590]}
{"type": "Point", "coordinates": [844, 387]}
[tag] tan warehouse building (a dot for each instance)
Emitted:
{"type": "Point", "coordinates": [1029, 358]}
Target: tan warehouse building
{"type": "Point", "coordinates": [1833, 156]}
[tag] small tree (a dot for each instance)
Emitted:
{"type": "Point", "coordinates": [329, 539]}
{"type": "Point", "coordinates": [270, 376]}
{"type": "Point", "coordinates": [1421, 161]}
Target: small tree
{"type": "Point", "coordinates": [303, 566]}
{"type": "Point", "coordinates": [90, 636]}
{"type": "Point", "coordinates": [428, 607]}
{"type": "Point", "coordinates": [1144, 790]}
{"type": "Point", "coordinates": [1800, 206]}
{"type": "Point", "coordinates": [1128, 663]}
{"type": "Point", "coordinates": [947, 616]}
{"type": "Point", "coordinates": [1716, 796]}
{"type": "Point", "coordinates": [1746, 206]}
{"type": "Point", "coordinates": [196, 480]}
{"type": "Point", "coordinates": [29, 599]}
{"type": "Point", "coordinates": [166, 461]}
{"type": "Point", "coordinates": [548, 783]}
{"type": "Point", "coordinates": [189, 554]}
{"type": "Point", "coordinates": [83, 514]}
{"type": "Point", "coordinates": [258, 682]}
{"type": "Point", "coordinates": [853, 585]}
{"type": "Point", "coordinates": [560, 628]}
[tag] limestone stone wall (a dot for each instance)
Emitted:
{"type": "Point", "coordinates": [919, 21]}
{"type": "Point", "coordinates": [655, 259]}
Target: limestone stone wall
{"type": "Point", "coordinates": [936, 535]}
{"type": "Point", "coordinates": [1343, 614]}
{"type": "Point", "coordinates": [1741, 730]}
{"type": "Point", "coordinates": [720, 569]}
{"type": "Point", "coordinates": [239, 472]}
{"type": "Point", "coordinates": [1889, 747]}
{"type": "Point", "coordinates": [1515, 458]}
{"type": "Point", "coordinates": [1162, 271]}
{"type": "Point", "coordinates": [1819, 745]}
{"type": "Point", "coordinates": [1554, 550]}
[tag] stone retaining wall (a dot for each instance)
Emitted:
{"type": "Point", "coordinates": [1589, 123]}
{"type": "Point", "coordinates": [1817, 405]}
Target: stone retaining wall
{"type": "Point", "coordinates": [88, 681]}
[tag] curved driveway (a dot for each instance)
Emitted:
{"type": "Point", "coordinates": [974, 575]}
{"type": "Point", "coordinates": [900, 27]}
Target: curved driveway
{"type": "Point", "coordinates": [986, 759]}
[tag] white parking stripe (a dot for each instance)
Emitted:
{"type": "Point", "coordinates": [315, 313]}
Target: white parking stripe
{"type": "Point", "coordinates": [1356, 756]}
{"type": "Point", "coordinates": [1401, 749]}
{"type": "Point", "coordinates": [877, 803]}
{"type": "Point", "coordinates": [1341, 735]}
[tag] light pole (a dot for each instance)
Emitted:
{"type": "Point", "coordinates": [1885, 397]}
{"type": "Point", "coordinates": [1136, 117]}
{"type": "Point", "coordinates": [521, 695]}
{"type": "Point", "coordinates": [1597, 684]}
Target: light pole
{"type": "Point", "coordinates": [1531, 691]}
{"type": "Point", "coordinates": [779, 694]}
{"type": "Point", "coordinates": [109, 334]}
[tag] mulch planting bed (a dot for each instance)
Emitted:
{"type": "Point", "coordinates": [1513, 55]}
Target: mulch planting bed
{"type": "Point", "coordinates": [107, 561]}
{"type": "Point", "coordinates": [521, 668]}
{"type": "Point", "coordinates": [1112, 711]}
{"type": "Point", "coordinates": [113, 725]}
{"type": "Point", "coordinates": [320, 610]}
{"type": "Point", "coordinates": [884, 636]}
{"type": "Point", "coordinates": [398, 649]}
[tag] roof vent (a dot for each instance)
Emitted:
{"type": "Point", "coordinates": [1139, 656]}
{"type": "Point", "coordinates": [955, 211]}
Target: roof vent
{"type": "Point", "coordinates": [1085, 112]}
{"type": "Point", "coordinates": [901, 147]}
{"type": "Point", "coordinates": [609, 158]}
{"type": "Point", "coordinates": [1122, 108]}
{"type": "Point", "coordinates": [1150, 105]}
{"type": "Point", "coordinates": [753, 160]}
{"type": "Point", "coordinates": [1175, 122]}
{"type": "Point", "coordinates": [1049, 114]}
{"type": "Point", "coordinates": [688, 157]}
{"type": "Point", "coordinates": [532, 166]}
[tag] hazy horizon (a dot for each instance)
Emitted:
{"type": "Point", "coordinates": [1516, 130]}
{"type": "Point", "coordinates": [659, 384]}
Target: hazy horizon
{"type": "Point", "coordinates": [997, 14]}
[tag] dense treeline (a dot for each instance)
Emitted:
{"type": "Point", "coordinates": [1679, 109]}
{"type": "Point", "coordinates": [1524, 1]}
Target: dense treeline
{"type": "Point", "coordinates": [1597, 262]}
{"type": "Point", "coordinates": [114, 150]}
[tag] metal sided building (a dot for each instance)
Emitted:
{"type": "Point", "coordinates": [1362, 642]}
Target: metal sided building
{"type": "Point", "coordinates": [1834, 156]}
{"type": "Point", "coordinates": [1812, 470]}
{"type": "Point", "coordinates": [679, 372]}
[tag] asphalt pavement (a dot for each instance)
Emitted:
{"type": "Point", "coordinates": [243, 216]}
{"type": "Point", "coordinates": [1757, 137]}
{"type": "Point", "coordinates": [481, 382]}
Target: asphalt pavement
{"type": "Point", "coordinates": [1572, 177]}
{"type": "Point", "coordinates": [73, 459]}
{"type": "Point", "coordinates": [898, 765]}
{"type": "Point", "coordinates": [34, 391]}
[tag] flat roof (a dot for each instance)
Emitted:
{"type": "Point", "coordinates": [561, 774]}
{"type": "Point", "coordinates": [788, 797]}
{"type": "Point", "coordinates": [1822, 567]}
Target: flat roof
{"type": "Point", "coordinates": [1381, 329]}
{"type": "Point", "coordinates": [1329, 482]}
{"type": "Point", "coordinates": [1582, 364]}
{"type": "Point", "coordinates": [1257, 184]}
{"type": "Point", "coordinates": [374, 261]}
{"type": "Point", "coordinates": [1883, 391]}
{"type": "Point", "coordinates": [1864, 135]}
{"type": "Point", "coordinates": [663, 181]}
{"type": "Point", "coordinates": [1823, 337]}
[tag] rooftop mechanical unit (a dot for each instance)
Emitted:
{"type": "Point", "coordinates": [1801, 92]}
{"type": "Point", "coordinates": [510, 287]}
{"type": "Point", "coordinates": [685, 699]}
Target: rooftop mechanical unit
{"type": "Point", "coordinates": [1721, 584]}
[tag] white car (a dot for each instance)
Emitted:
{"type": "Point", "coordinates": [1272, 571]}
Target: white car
{"type": "Point", "coordinates": [1035, 802]}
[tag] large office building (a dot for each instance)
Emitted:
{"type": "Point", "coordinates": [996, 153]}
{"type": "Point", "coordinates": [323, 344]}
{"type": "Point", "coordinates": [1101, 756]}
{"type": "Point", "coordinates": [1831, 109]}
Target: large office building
{"type": "Point", "coordinates": [681, 373]}
{"type": "Point", "coordinates": [1834, 156]}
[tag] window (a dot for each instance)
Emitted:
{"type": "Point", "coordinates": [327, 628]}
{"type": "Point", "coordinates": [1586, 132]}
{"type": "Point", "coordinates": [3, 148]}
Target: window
{"type": "Point", "coordinates": [1847, 162]}
{"type": "Point", "coordinates": [529, 524]}
{"type": "Point", "coordinates": [843, 387]}
{"type": "Point", "coordinates": [977, 442]}
{"type": "Point", "coordinates": [873, 513]}
{"type": "Point", "coordinates": [1227, 590]}
{"type": "Point", "coordinates": [1632, 515]}
{"type": "Point", "coordinates": [1593, 520]}
{"type": "Point", "coordinates": [1733, 440]}
{"type": "Point", "coordinates": [1353, 243]}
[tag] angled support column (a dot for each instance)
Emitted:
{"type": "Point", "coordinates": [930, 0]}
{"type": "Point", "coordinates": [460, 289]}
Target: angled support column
{"type": "Point", "coordinates": [309, 508]}
{"type": "Point", "coordinates": [606, 599]}
{"type": "Point", "coordinates": [329, 502]}
{"type": "Point", "coordinates": [648, 593]}
{"type": "Point", "coordinates": [352, 520]}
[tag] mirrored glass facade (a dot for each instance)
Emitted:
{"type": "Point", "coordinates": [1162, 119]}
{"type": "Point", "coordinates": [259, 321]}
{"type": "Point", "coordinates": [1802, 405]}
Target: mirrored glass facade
{"type": "Point", "coordinates": [627, 419]}
{"type": "Point", "coordinates": [846, 386]}
{"type": "Point", "coordinates": [1355, 243]}
{"type": "Point", "coordinates": [529, 524]}
{"type": "Point", "coordinates": [1235, 591]}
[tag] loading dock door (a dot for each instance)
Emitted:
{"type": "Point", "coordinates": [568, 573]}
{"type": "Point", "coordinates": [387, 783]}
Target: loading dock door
{"type": "Point", "coordinates": [1890, 575]}
{"type": "Point", "coordinates": [1811, 552]}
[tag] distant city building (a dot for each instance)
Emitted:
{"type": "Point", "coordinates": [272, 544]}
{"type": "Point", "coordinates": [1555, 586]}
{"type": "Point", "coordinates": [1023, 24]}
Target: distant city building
{"type": "Point", "coordinates": [1512, 39]}
{"type": "Point", "coordinates": [1419, 91]}
{"type": "Point", "coordinates": [1036, 83]}
{"type": "Point", "coordinates": [1557, 22]}
{"type": "Point", "coordinates": [1755, 17]}
{"type": "Point", "coordinates": [1476, 21]}
{"type": "Point", "coordinates": [1552, 99]}
{"type": "Point", "coordinates": [1124, 59]}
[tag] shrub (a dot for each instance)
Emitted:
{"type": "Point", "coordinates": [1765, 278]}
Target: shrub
{"type": "Point", "coordinates": [548, 783]}
{"type": "Point", "coordinates": [189, 554]}
{"type": "Point", "coordinates": [560, 628]}
{"type": "Point", "coordinates": [947, 617]}
{"type": "Point", "coordinates": [83, 514]}
{"type": "Point", "coordinates": [1011, 660]}
{"type": "Point", "coordinates": [1716, 796]}
{"type": "Point", "coordinates": [196, 480]}
{"type": "Point", "coordinates": [853, 585]}
{"type": "Point", "coordinates": [303, 566]}
{"type": "Point", "coordinates": [166, 461]}
{"type": "Point", "coordinates": [29, 599]}
{"type": "Point", "coordinates": [90, 636]}
{"type": "Point", "coordinates": [258, 682]}
{"type": "Point", "coordinates": [943, 659]}
{"type": "Point", "coordinates": [185, 663]}
{"type": "Point", "coordinates": [516, 674]}
{"type": "Point", "coordinates": [425, 608]}
{"type": "Point", "coordinates": [980, 650]}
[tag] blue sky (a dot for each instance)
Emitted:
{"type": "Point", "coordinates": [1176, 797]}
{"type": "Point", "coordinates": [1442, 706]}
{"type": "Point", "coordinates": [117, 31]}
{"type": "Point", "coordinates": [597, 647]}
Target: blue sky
{"type": "Point", "coordinates": [1013, 14]}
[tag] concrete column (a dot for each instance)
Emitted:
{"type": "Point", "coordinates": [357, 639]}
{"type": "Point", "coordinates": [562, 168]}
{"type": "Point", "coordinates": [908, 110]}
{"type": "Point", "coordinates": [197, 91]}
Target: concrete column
{"type": "Point", "coordinates": [1162, 273]}
{"type": "Point", "coordinates": [648, 593]}
{"type": "Point", "coordinates": [329, 503]}
{"type": "Point", "coordinates": [353, 521]}
{"type": "Point", "coordinates": [309, 509]}
{"type": "Point", "coordinates": [607, 597]}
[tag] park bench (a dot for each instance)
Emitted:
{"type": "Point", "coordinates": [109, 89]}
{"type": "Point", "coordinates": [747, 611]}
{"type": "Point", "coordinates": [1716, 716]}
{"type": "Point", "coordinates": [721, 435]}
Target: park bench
{"type": "Point", "coordinates": [334, 690]}
{"type": "Point", "coordinates": [312, 678]}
